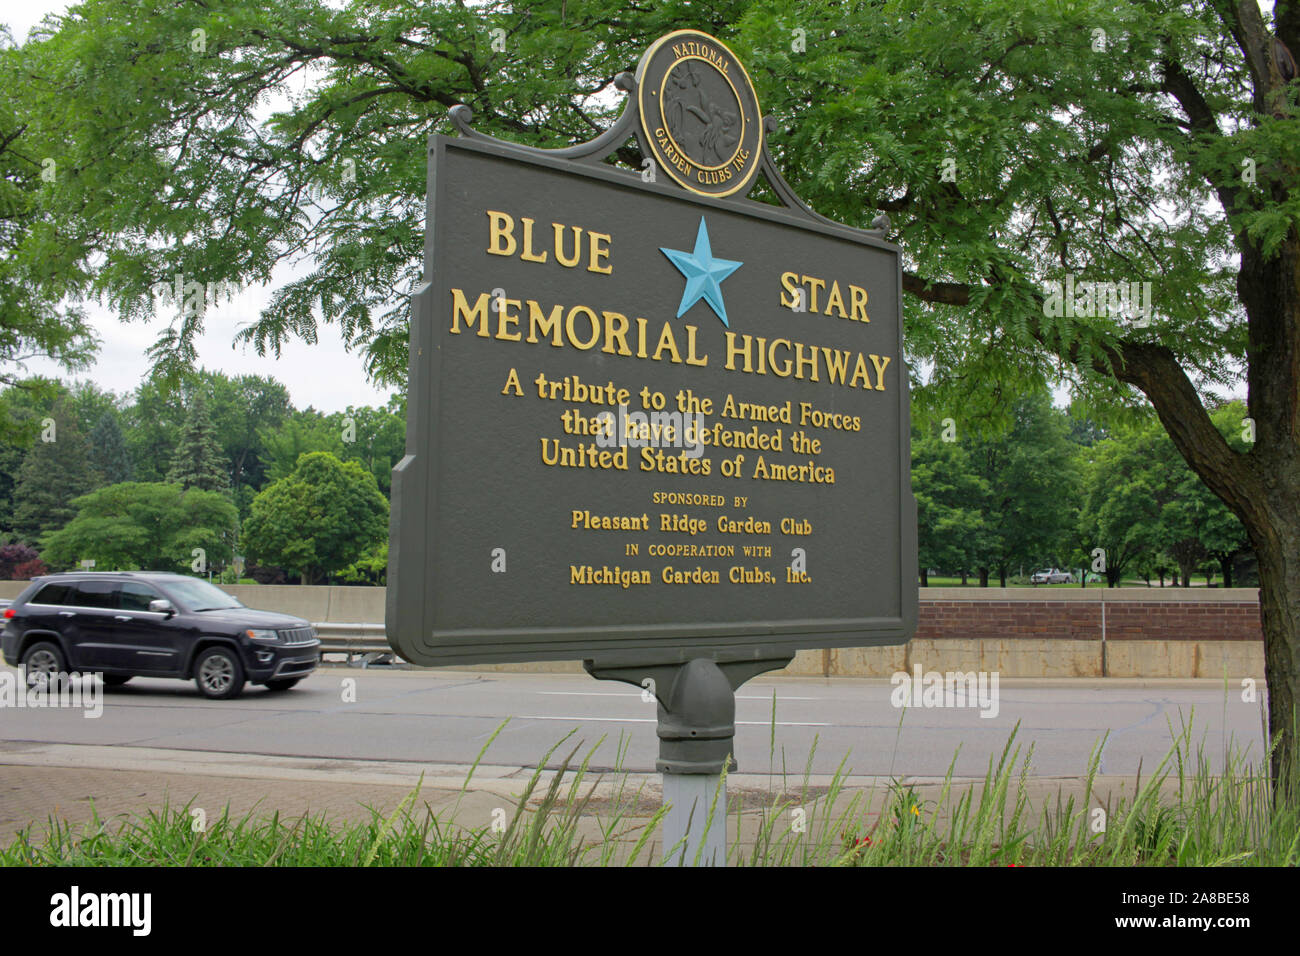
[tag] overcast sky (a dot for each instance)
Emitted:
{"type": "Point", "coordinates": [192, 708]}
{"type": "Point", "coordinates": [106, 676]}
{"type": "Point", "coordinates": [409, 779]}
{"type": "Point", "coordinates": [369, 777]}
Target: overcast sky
{"type": "Point", "coordinates": [323, 375]}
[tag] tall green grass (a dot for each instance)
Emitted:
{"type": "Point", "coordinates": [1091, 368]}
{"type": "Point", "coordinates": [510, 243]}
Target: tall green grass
{"type": "Point", "coordinates": [1179, 814]}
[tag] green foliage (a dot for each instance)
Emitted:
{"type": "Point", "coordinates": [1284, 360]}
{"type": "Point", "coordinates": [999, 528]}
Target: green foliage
{"type": "Point", "coordinates": [1148, 510]}
{"type": "Point", "coordinates": [995, 499]}
{"type": "Point", "coordinates": [145, 526]}
{"type": "Point", "coordinates": [302, 433]}
{"type": "Point", "coordinates": [53, 473]}
{"type": "Point", "coordinates": [240, 407]}
{"type": "Point", "coordinates": [951, 524]}
{"type": "Point", "coordinates": [198, 461]}
{"type": "Point", "coordinates": [370, 569]}
{"type": "Point", "coordinates": [153, 427]}
{"type": "Point", "coordinates": [1120, 513]}
{"type": "Point", "coordinates": [318, 520]}
{"type": "Point", "coordinates": [378, 438]}
{"type": "Point", "coordinates": [40, 260]}
{"type": "Point", "coordinates": [109, 458]}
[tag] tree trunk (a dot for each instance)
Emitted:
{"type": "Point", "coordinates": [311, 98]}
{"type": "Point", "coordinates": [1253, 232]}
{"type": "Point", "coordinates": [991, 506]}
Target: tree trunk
{"type": "Point", "coordinates": [1187, 575]}
{"type": "Point", "coordinates": [1002, 575]}
{"type": "Point", "coordinates": [1277, 546]}
{"type": "Point", "coordinates": [925, 577]}
{"type": "Point", "coordinates": [1225, 565]}
{"type": "Point", "coordinates": [984, 577]}
{"type": "Point", "coordinates": [964, 575]}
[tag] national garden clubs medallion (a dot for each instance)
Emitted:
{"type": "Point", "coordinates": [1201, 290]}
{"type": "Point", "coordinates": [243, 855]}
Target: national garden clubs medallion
{"type": "Point", "coordinates": [699, 115]}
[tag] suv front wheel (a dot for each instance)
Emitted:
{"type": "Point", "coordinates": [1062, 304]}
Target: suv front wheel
{"type": "Point", "coordinates": [219, 674]}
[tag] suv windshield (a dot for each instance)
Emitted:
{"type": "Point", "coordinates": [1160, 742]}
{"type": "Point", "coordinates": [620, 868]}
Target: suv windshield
{"type": "Point", "coordinates": [199, 595]}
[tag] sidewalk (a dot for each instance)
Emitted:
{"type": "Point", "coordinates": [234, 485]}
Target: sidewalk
{"type": "Point", "coordinates": [63, 780]}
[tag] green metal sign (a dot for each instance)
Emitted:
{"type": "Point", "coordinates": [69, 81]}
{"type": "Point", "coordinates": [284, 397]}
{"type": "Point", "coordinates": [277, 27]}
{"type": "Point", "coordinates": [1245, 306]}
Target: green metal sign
{"type": "Point", "coordinates": [648, 418]}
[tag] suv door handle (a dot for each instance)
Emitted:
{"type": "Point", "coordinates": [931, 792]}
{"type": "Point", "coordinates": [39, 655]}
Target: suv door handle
{"type": "Point", "coordinates": [123, 617]}
{"type": "Point", "coordinates": [67, 614]}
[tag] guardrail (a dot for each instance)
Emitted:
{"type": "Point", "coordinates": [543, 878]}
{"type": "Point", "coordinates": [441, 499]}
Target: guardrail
{"type": "Point", "coordinates": [352, 639]}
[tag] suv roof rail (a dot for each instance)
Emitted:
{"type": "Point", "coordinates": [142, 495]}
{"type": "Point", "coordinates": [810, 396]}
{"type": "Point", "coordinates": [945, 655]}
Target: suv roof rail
{"type": "Point", "coordinates": [129, 574]}
{"type": "Point", "coordinates": [55, 574]}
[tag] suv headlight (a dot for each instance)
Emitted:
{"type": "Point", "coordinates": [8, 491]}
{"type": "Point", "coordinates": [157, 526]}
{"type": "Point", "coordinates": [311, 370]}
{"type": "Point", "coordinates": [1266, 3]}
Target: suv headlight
{"type": "Point", "coordinates": [266, 637]}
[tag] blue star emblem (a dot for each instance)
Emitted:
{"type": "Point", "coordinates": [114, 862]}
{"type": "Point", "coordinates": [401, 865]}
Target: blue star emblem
{"type": "Point", "coordinates": [704, 274]}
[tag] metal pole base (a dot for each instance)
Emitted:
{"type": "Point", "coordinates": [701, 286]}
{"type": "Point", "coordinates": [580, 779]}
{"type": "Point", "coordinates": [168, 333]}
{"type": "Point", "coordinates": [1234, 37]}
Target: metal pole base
{"type": "Point", "coordinates": [697, 729]}
{"type": "Point", "coordinates": [695, 827]}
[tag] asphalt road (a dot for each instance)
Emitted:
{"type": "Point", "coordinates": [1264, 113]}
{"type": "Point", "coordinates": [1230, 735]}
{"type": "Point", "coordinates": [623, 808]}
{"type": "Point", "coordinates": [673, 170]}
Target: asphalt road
{"type": "Point", "coordinates": [448, 717]}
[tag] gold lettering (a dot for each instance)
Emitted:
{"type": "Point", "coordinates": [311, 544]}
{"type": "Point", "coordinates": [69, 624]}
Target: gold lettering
{"type": "Point", "coordinates": [691, 357]}
{"type": "Point", "coordinates": [460, 308]}
{"type": "Point", "coordinates": [666, 340]}
{"type": "Point", "coordinates": [615, 328]}
{"type": "Point", "coordinates": [837, 364]}
{"type": "Point", "coordinates": [569, 329]}
{"type": "Point", "coordinates": [780, 370]}
{"type": "Point", "coordinates": [790, 282]}
{"type": "Point", "coordinates": [500, 227]}
{"type": "Point", "coordinates": [880, 371]}
{"type": "Point", "coordinates": [528, 255]}
{"type": "Point", "coordinates": [506, 317]}
{"type": "Point", "coordinates": [800, 361]}
{"type": "Point", "coordinates": [567, 262]}
{"type": "Point", "coordinates": [733, 351]}
{"type": "Point", "coordinates": [860, 371]}
{"type": "Point", "coordinates": [538, 321]}
{"type": "Point", "coordinates": [596, 252]}
{"type": "Point", "coordinates": [836, 301]}
{"type": "Point", "coordinates": [858, 306]}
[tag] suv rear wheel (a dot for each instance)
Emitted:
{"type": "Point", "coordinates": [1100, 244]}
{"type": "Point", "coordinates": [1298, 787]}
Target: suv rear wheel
{"type": "Point", "coordinates": [42, 662]}
{"type": "Point", "coordinates": [218, 674]}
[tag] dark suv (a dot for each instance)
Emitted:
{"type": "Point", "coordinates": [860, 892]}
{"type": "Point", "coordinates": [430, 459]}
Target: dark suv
{"type": "Point", "coordinates": [153, 624]}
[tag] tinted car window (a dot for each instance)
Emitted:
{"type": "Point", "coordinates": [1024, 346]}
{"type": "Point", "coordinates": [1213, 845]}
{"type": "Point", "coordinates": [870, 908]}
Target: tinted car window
{"type": "Point", "coordinates": [133, 596]}
{"type": "Point", "coordinates": [55, 594]}
{"type": "Point", "coordinates": [199, 595]}
{"type": "Point", "coordinates": [94, 594]}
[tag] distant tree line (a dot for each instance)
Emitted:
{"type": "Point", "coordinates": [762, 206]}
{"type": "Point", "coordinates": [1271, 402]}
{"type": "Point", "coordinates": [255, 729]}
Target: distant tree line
{"type": "Point", "coordinates": [189, 479]}
{"type": "Point", "coordinates": [1054, 488]}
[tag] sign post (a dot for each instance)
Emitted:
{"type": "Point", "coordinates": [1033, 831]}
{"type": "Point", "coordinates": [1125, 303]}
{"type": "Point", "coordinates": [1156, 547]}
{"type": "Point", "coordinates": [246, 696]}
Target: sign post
{"type": "Point", "coordinates": [653, 425]}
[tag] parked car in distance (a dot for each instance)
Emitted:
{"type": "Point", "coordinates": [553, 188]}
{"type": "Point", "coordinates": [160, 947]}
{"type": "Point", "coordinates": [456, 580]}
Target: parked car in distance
{"type": "Point", "coordinates": [1051, 576]}
{"type": "Point", "coordinates": [127, 624]}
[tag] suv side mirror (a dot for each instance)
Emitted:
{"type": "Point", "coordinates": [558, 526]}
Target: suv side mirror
{"type": "Point", "coordinates": [161, 606]}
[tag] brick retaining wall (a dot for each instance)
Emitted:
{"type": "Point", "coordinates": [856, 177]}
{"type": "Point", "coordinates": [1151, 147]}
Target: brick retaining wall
{"type": "Point", "coordinates": [1150, 620]}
